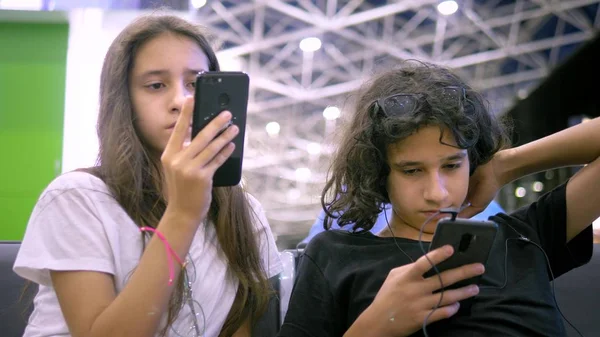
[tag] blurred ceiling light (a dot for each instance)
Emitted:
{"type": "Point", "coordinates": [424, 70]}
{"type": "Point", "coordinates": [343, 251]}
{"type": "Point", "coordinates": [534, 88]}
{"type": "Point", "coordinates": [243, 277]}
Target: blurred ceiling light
{"type": "Point", "coordinates": [313, 148]}
{"type": "Point", "coordinates": [447, 7]}
{"type": "Point", "coordinates": [303, 174]}
{"type": "Point", "coordinates": [33, 5]}
{"type": "Point", "coordinates": [231, 63]}
{"type": "Point", "coordinates": [331, 112]}
{"type": "Point", "coordinates": [293, 194]}
{"type": "Point", "coordinates": [520, 192]}
{"type": "Point", "coordinates": [273, 128]}
{"type": "Point", "coordinates": [537, 186]}
{"type": "Point", "coordinates": [310, 44]}
{"type": "Point", "coordinates": [522, 93]}
{"type": "Point", "coordinates": [198, 3]}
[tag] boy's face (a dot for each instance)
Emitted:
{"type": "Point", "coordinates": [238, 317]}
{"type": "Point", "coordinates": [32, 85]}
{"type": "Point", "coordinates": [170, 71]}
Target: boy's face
{"type": "Point", "coordinates": [164, 73]}
{"type": "Point", "coordinates": [425, 176]}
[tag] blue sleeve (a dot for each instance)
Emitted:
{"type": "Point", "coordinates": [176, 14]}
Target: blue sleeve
{"type": "Point", "coordinates": [492, 209]}
{"type": "Point", "coordinates": [317, 227]}
{"type": "Point", "coordinates": [382, 220]}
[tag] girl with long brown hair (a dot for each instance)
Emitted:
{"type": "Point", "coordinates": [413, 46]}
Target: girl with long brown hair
{"type": "Point", "coordinates": [142, 244]}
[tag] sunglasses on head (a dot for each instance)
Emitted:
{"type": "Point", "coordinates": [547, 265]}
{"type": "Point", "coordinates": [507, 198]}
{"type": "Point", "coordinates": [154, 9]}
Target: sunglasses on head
{"type": "Point", "coordinates": [403, 104]}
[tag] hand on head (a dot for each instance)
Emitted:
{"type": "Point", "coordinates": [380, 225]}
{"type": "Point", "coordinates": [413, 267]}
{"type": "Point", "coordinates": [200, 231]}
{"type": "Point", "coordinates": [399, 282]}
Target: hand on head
{"type": "Point", "coordinates": [484, 184]}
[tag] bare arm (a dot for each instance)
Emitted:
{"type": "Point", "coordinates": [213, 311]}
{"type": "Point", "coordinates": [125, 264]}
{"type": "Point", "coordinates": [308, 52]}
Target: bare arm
{"type": "Point", "coordinates": [91, 306]}
{"type": "Point", "coordinates": [578, 145]}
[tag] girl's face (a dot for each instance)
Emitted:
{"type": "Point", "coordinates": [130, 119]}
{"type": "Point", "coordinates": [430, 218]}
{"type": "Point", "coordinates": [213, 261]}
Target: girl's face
{"type": "Point", "coordinates": [425, 176]}
{"type": "Point", "coordinates": [163, 74]}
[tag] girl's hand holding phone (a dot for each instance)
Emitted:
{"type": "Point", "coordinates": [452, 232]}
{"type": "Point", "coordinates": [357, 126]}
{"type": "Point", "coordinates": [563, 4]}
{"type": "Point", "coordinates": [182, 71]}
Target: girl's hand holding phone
{"type": "Point", "coordinates": [189, 168]}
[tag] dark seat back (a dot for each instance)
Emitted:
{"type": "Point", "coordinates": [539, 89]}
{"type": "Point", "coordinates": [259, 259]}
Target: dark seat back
{"type": "Point", "coordinates": [269, 323]}
{"type": "Point", "coordinates": [578, 297]}
{"type": "Point", "coordinates": [15, 302]}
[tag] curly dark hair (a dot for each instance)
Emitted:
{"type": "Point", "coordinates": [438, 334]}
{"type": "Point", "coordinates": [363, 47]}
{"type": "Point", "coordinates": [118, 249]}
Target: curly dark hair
{"type": "Point", "coordinates": [355, 191]}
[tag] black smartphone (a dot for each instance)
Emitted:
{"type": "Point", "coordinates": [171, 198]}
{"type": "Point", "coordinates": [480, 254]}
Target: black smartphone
{"type": "Point", "coordinates": [215, 92]}
{"type": "Point", "coordinates": [472, 241]}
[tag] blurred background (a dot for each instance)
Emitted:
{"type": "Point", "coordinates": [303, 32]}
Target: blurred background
{"type": "Point", "coordinates": [536, 61]}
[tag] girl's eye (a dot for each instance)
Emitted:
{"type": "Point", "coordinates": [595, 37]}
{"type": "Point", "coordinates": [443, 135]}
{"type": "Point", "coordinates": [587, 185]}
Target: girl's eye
{"type": "Point", "coordinates": [155, 86]}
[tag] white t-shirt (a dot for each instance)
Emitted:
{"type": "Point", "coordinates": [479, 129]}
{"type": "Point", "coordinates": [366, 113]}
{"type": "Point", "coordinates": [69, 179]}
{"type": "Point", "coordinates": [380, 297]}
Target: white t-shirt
{"type": "Point", "coordinates": [78, 225]}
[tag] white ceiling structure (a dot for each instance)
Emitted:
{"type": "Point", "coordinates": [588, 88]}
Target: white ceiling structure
{"type": "Point", "coordinates": [502, 47]}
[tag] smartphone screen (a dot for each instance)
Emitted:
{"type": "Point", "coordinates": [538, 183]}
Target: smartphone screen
{"type": "Point", "coordinates": [217, 91]}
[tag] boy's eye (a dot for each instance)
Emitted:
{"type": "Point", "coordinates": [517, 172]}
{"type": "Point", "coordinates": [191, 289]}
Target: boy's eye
{"type": "Point", "coordinates": [453, 166]}
{"type": "Point", "coordinates": [410, 171]}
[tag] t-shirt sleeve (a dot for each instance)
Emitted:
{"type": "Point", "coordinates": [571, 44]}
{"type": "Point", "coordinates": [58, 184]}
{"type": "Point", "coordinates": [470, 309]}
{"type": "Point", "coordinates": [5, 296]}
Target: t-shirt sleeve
{"type": "Point", "coordinates": [64, 233]}
{"type": "Point", "coordinates": [312, 310]}
{"type": "Point", "coordinates": [270, 259]}
{"type": "Point", "coordinates": [548, 217]}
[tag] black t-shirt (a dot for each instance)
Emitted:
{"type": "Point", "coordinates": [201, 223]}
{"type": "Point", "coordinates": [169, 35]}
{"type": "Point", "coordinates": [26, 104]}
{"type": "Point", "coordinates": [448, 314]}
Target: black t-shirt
{"type": "Point", "coordinates": [340, 273]}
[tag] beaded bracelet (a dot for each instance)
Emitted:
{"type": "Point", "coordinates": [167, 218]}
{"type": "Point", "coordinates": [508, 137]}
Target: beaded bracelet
{"type": "Point", "coordinates": [170, 252]}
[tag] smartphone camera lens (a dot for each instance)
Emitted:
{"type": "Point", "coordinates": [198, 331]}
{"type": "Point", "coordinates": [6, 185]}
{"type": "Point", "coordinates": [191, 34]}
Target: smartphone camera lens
{"type": "Point", "coordinates": [465, 242]}
{"type": "Point", "coordinates": [223, 100]}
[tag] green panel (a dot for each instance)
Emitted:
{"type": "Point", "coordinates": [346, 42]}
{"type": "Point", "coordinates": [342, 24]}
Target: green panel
{"type": "Point", "coordinates": [17, 210]}
{"type": "Point", "coordinates": [32, 93]}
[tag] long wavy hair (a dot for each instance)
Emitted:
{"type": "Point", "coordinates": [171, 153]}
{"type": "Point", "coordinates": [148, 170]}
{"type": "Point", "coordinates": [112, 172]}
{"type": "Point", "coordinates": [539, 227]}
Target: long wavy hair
{"type": "Point", "coordinates": [355, 191]}
{"type": "Point", "coordinates": [134, 175]}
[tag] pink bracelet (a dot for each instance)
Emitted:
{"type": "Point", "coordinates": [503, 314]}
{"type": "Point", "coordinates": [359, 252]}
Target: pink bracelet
{"type": "Point", "coordinates": [170, 252]}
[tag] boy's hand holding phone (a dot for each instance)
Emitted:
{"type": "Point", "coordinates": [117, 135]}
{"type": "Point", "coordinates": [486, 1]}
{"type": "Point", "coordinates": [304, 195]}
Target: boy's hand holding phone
{"type": "Point", "coordinates": [472, 241]}
{"type": "Point", "coordinates": [406, 298]}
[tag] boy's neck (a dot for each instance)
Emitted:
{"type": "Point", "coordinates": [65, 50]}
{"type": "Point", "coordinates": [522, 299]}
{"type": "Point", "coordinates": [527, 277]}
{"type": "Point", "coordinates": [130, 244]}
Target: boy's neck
{"type": "Point", "coordinates": [406, 232]}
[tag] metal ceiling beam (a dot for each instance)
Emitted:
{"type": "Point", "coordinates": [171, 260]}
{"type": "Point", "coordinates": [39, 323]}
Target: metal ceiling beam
{"type": "Point", "coordinates": [322, 25]}
{"type": "Point", "coordinates": [518, 49]}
